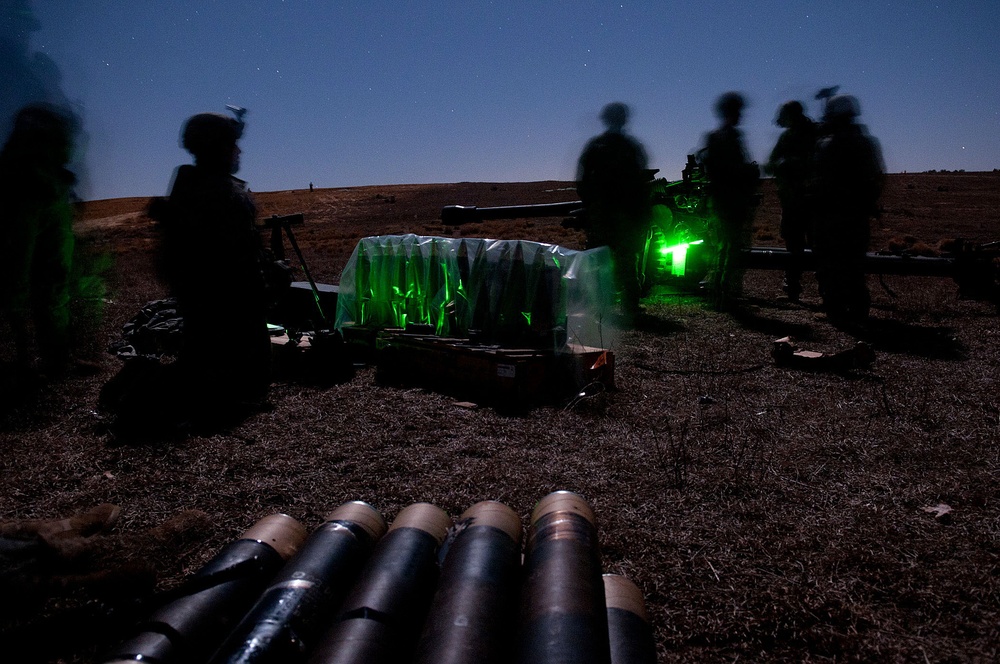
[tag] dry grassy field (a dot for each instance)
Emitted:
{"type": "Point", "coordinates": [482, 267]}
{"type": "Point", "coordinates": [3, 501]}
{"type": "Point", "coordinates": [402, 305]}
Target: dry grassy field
{"type": "Point", "coordinates": [768, 514]}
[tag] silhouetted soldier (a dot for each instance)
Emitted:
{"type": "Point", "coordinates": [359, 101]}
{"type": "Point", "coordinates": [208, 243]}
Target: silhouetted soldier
{"type": "Point", "coordinates": [849, 174]}
{"type": "Point", "coordinates": [790, 163]}
{"type": "Point", "coordinates": [211, 258]}
{"type": "Point", "coordinates": [37, 225]}
{"type": "Point", "coordinates": [732, 187]}
{"type": "Point", "coordinates": [613, 184]}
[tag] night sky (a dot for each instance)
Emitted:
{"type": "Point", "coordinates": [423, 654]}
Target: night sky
{"type": "Point", "coordinates": [344, 93]}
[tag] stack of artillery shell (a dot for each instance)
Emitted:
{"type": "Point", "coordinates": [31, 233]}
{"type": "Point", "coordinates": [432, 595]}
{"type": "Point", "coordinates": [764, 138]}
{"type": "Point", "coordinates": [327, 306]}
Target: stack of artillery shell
{"type": "Point", "coordinates": [629, 630]}
{"type": "Point", "coordinates": [282, 626]}
{"type": "Point", "coordinates": [563, 613]}
{"type": "Point", "coordinates": [473, 611]}
{"type": "Point", "coordinates": [381, 618]}
{"type": "Point", "coordinates": [191, 626]}
{"type": "Point", "coordinates": [355, 593]}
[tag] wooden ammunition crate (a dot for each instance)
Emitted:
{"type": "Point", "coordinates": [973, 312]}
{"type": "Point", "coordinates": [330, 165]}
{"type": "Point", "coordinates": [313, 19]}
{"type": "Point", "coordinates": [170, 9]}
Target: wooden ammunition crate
{"type": "Point", "coordinates": [508, 378]}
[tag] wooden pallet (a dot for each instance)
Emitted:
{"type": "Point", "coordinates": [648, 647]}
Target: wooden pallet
{"type": "Point", "coordinates": [515, 378]}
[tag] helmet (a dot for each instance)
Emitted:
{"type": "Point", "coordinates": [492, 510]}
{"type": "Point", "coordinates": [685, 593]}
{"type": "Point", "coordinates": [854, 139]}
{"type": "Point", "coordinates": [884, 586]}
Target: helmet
{"type": "Point", "coordinates": [46, 130]}
{"type": "Point", "coordinates": [789, 112]}
{"type": "Point", "coordinates": [210, 132]}
{"type": "Point", "coordinates": [842, 107]}
{"type": "Point", "coordinates": [729, 103]}
{"type": "Point", "coordinates": [615, 115]}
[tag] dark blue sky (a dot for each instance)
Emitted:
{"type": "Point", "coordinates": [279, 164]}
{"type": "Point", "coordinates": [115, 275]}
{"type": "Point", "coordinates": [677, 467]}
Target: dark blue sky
{"type": "Point", "coordinates": [344, 93]}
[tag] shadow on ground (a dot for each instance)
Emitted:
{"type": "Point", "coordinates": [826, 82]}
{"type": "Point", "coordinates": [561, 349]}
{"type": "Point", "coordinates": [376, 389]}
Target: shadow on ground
{"type": "Point", "coordinates": [890, 336]}
{"type": "Point", "coordinates": [753, 318]}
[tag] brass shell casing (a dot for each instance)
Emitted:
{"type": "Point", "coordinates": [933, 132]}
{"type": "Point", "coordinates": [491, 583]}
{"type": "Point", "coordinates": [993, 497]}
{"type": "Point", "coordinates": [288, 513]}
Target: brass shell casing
{"type": "Point", "coordinates": [474, 610]}
{"type": "Point", "coordinates": [362, 514]}
{"type": "Point", "coordinates": [563, 612]}
{"type": "Point", "coordinates": [195, 622]}
{"type": "Point", "coordinates": [621, 593]}
{"type": "Point", "coordinates": [497, 515]}
{"type": "Point", "coordinates": [630, 636]}
{"type": "Point", "coordinates": [380, 618]}
{"type": "Point", "coordinates": [563, 501]}
{"type": "Point", "coordinates": [279, 531]}
{"type": "Point", "coordinates": [426, 517]}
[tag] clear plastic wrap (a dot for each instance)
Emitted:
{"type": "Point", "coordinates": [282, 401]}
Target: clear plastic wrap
{"type": "Point", "coordinates": [512, 293]}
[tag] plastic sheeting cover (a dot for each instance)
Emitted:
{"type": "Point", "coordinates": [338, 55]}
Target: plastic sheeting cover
{"type": "Point", "coordinates": [512, 293]}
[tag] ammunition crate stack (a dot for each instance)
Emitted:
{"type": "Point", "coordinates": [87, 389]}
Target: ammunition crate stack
{"type": "Point", "coordinates": [508, 378]}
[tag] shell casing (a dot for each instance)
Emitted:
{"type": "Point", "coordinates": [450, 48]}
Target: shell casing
{"type": "Point", "coordinates": [380, 619]}
{"type": "Point", "coordinates": [629, 632]}
{"type": "Point", "coordinates": [207, 607]}
{"type": "Point", "coordinates": [474, 609]}
{"type": "Point", "coordinates": [291, 612]}
{"type": "Point", "coordinates": [563, 614]}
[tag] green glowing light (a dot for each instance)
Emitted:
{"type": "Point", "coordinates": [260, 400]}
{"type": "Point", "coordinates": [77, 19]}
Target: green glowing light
{"type": "Point", "coordinates": [678, 254]}
{"type": "Point", "coordinates": [506, 291]}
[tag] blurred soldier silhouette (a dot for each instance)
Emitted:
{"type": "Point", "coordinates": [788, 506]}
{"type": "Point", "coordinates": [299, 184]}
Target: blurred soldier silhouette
{"type": "Point", "coordinates": [849, 174]}
{"type": "Point", "coordinates": [613, 182]}
{"type": "Point", "coordinates": [732, 187]}
{"type": "Point", "coordinates": [211, 259]}
{"type": "Point", "coordinates": [26, 76]}
{"type": "Point", "coordinates": [790, 163]}
{"type": "Point", "coordinates": [37, 189]}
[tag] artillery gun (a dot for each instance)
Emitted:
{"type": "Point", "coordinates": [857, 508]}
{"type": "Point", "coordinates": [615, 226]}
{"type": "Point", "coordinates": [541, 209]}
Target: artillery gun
{"type": "Point", "coordinates": [679, 245]}
{"type": "Point", "coordinates": [679, 220]}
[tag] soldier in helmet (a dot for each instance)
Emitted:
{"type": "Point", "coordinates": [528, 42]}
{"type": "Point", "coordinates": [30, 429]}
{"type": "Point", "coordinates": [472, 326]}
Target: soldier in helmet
{"type": "Point", "coordinates": [613, 184]}
{"type": "Point", "coordinates": [849, 174]}
{"type": "Point", "coordinates": [790, 163]}
{"type": "Point", "coordinates": [732, 187]}
{"type": "Point", "coordinates": [211, 259]}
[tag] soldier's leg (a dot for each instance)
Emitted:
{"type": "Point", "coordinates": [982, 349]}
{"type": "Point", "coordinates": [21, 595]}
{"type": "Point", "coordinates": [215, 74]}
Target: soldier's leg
{"type": "Point", "coordinates": [857, 298]}
{"type": "Point", "coordinates": [794, 234]}
{"type": "Point", "coordinates": [727, 272]}
{"type": "Point", "coordinates": [16, 272]}
{"type": "Point", "coordinates": [735, 231]}
{"type": "Point", "coordinates": [627, 252]}
{"type": "Point", "coordinates": [51, 284]}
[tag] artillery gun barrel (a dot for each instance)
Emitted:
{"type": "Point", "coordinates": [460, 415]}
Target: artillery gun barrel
{"type": "Point", "coordinates": [768, 258]}
{"type": "Point", "coordinates": [300, 600]}
{"type": "Point", "coordinates": [191, 626]}
{"type": "Point", "coordinates": [563, 613]}
{"type": "Point", "coordinates": [916, 266]}
{"type": "Point", "coordinates": [455, 215]}
{"type": "Point", "coordinates": [629, 631]}
{"type": "Point", "coordinates": [473, 611]}
{"type": "Point", "coordinates": [754, 258]}
{"type": "Point", "coordinates": [381, 618]}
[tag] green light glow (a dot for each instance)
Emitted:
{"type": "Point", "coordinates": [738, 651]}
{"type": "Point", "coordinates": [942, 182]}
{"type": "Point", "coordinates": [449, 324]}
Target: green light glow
{"type": "Point", "coordinates": [678, 254]}
{"type": "Point", "coordinates": [513, 292]}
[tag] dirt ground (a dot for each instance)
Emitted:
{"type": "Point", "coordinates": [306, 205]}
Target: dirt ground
{"type": "Point", "coordinates": [767, 513]}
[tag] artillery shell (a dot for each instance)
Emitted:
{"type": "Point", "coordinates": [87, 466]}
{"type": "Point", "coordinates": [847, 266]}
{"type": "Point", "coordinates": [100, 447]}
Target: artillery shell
{"type": "Point", "coordinates": [193, 624]}
{"type": "Point", "coordinates": [563, 614]}
{"type": "Point", "coordinates": [475, 604]}
{"type": "Point", "coordinates": [629, 631]}
{"type": "Point", "coordinates": [380, 619]}
{"type": "Point", "coordinates": [290, 613]}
